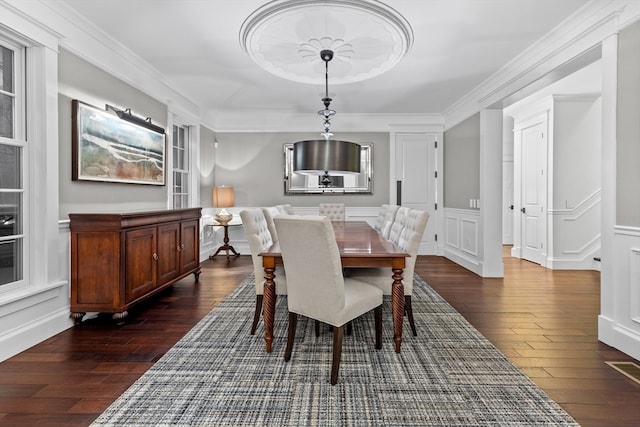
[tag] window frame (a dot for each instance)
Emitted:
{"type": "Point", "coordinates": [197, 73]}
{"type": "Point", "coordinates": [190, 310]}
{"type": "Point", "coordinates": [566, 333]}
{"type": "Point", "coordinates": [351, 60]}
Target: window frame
{"type": "Point", "coordinates": [19, 140]}
{"type": "Point", "coordinates": [185, 174]}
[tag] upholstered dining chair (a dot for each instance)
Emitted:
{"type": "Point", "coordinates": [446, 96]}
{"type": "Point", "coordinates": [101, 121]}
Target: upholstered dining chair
{"type": "Point", "coordinates": [316, 286]}
{"type": "Point", "coordinates": [408, 239]}
{"type": "Point", "coordinates": [334, 211]}
{"type": "Point", "coordinates": [386, 215]}
{"type": "Point", "coordinates": [269, 213]}
{"type": "Point", "coordinates": [285, 209]}
{"type": "Point", "coordinates": [259, 237]}
{"type": "Point", "coordinates": [398, 224]}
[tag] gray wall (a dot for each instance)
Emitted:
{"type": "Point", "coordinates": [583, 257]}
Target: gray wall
{"type": "Point", "coordinates": [253, 163]}
{"type": "Point", "coordinates": [628, 128]}
{"type": "Point", "coordinates": [462, 163]}
{"type": "Point", "coordinates": [80, 80]}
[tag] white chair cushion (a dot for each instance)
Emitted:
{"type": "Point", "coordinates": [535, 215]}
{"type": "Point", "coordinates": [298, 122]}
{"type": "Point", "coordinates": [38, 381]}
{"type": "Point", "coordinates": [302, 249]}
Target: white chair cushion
{"type": "Point", "coordinates": [315, 284]}
{"type": "Point", "coordinates": [398, 224]}
{"type": "Point", "coordinates": [259, 238]}
{"type": "Point", "coordinates": [269, 213]}
{"type": "Point", "coordinates": [408, 239]}
{"type": "Point", "coordinates": [285, 209]}
{"type": "Point", "coordinates": [387, 222]}
{"type": "Point", "coordinates": [334, 211]}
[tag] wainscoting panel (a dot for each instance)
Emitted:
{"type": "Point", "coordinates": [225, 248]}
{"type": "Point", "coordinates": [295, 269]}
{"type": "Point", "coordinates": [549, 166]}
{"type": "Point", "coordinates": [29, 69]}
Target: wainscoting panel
{"type": "Point", "coordinates": [619, 321]}
{"type": "Point", "coordinates": [634, 282]}
{"type": "Point", "coordinates": [40, 311]}
{"type": "Point", "coordinates": [452, 239]}
{"type": "Point", "coordinates": [470, 236]}
{"type": "Point", "coordinates": [462, 228]}
{"type": "Point", "coordinates": [576, 236]}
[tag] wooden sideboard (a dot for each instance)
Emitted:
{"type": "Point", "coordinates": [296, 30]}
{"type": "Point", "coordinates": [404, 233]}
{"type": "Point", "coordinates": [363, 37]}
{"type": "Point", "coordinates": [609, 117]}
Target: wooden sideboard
{"type": "Point", "coordinates": [119, 260]}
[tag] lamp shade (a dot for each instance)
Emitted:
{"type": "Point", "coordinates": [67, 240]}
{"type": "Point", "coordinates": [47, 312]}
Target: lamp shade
{"type": "Point", "coordinates": [317, 156]}
{"type": "Point", "coordinates": [223, 197]}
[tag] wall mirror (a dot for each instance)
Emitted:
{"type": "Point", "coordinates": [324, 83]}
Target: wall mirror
{"type": "Point", "coordinates": [362, 183]}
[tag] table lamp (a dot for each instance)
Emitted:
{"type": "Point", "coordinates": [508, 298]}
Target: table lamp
{"type": "Point", "coordinates": [223, 197]}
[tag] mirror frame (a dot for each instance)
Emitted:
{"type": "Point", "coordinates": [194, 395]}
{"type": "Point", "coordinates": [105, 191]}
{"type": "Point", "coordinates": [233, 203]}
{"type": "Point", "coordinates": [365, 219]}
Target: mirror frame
{"type": "Point", "coordinates": [292, 179]}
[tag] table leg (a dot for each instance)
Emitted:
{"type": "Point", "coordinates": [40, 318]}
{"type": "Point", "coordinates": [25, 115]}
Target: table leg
{"type": "Point", "coordinates": [397, 306]}
{"type": "Point", "coordinates": [269, 301]}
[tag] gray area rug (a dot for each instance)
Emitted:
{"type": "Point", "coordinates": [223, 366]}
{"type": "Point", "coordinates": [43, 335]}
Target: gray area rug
{"type": "Point", "coordinates": [219, 375]}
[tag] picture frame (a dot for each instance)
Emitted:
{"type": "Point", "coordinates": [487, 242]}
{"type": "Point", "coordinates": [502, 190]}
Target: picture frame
{"type": "Point", "coordinates": [106, 148]}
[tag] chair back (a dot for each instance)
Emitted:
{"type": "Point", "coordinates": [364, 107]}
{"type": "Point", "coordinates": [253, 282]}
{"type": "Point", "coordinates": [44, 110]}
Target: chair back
{"type": "Point", "coordinates": [386, 216]}
{"type": "Point", "coordinates": [380, 219]}
{"type": "Point", "coordinates": [259, 238]}
{"type": "Point", "coordinates": [398, 224]}
{"type": "Point", "coordinates": [285, 209]}
{"type": "Point", "coordinates": [334, 211]}
{"type": "Point", "coordinates": [269, 213]}
{"type": "Point", "coordinates": [409, 240]}
{"type": "Point", "coordinates": [311, 258]}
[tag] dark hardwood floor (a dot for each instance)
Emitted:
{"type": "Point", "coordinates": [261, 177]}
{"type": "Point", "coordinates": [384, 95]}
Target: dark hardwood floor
{"type": "Point", "coordinates": [544, 321]}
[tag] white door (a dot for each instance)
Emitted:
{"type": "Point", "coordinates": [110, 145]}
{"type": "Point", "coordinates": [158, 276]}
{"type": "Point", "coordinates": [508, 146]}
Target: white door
{"type": "Point", "coordinates": [507, 202]}
{"type": "Point", "coordinates": [416, 180]}
{"type": "Point", "coordinates": [534, 193]}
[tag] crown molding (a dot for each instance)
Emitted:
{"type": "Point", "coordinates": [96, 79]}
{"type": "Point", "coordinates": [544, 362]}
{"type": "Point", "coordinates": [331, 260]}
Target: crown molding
{"type": "Point", "coordinates": [26, 26]}
{"type": "Point", "coordinates": [275, 121]}
{"type": "Point", "coordinates": [80, 37]}
{"type": "Point", "coordinates": [579, 33]}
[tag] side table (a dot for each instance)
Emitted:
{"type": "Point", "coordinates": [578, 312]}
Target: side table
{"type": "Point", "coordinates": [225, 245]}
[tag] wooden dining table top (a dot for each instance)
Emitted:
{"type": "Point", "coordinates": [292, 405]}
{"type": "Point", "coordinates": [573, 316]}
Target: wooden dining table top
{"type": "Point", "coordinates": [359, 244]}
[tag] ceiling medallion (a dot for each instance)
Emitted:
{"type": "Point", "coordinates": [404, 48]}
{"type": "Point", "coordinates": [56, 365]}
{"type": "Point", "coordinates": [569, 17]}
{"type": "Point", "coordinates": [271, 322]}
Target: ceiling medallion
{"type": "Point", "coordinates": [311, 49]}
{"type": "Point", "coordinates": [284, 37]}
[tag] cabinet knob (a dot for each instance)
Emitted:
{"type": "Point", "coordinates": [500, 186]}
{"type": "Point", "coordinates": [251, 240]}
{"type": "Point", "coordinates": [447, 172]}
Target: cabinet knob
{"type": "Point", "coordinates": [155, 256]}
{"type": "Point", "coordinates": [182, 246]}
{"type": "Point", "coordinates": [178, 247]}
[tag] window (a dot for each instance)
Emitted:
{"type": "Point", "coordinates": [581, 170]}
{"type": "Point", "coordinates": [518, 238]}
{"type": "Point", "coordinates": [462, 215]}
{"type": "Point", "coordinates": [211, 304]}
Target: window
{"type": "Point", "coordinates": [12, 153]}
{"type": "Point", "coordinates": [181, 164]}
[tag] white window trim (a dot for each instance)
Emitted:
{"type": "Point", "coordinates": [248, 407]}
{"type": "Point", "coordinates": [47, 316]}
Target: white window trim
{"type": "Point", "coordinates": [37, 107]}
{"type": "Point", "coordinates": [184, 120]}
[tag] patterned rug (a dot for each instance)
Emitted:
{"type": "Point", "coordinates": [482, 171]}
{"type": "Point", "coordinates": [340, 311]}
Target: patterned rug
{"type": "Point", "coordinates": [219, 375]}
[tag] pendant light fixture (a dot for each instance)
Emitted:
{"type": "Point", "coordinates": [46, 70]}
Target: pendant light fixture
{"type": "Point", "coordinates": [326, 156]}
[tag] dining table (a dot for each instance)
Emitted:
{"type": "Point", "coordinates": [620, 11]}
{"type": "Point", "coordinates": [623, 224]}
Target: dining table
{"type": "Point", "coordinates": [360, 245]}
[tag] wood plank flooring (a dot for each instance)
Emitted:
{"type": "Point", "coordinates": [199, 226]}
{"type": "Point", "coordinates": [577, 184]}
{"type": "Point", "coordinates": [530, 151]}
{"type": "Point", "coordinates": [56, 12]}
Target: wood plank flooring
{"type": "Point", "coordinates": [544, 321]}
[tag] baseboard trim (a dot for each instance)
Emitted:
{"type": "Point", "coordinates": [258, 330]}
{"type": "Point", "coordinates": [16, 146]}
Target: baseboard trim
{"type": "Point", "coordinates": [34, 332]}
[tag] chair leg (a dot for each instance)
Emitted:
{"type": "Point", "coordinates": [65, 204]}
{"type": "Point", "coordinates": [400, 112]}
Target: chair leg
{"type": "Point", "coordinates": [291, 335]}
{"type": "Point", "coordinates": [377, 312]}
{"type": "Point", "coordinates": [409, 310]}
{"type": "Point", "coordinates": [337, 352]}
{"type": "Point", "coordinates": [256, 315]}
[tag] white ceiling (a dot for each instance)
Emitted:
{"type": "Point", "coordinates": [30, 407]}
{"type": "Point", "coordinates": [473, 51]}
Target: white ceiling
{"type": "Point", "coordinates": [195, 45]}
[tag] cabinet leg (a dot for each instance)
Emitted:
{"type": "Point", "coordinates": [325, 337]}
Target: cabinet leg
{"type": "Point", "coordinates": [196, 274]}
{"type": "Point", "coordinates": [77, 317]}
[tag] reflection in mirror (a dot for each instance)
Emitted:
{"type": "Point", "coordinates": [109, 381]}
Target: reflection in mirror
{"type": "Point", "coordinates": [295, 183]}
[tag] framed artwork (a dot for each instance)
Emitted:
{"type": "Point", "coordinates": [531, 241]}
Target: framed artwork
{"type": "Point", "coordinates": [109, 149]}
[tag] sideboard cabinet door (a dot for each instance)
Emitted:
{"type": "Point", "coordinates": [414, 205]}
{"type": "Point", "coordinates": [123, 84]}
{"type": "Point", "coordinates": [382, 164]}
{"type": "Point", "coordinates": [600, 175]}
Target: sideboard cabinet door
{"type": "Point", "coordinates": [140, 265]}
{"type": "Point", "coordinates": [190, 245]}
{"type": "Point", "coordinates": [169, 252]}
